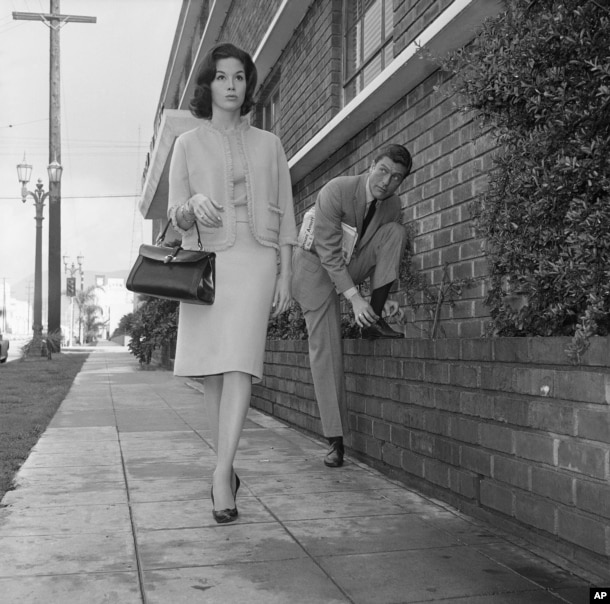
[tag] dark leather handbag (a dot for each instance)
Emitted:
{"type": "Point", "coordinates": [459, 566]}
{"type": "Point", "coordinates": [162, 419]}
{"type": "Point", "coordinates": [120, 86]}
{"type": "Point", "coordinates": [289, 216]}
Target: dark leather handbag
{"type": "Point", "coordinates": [174, 273]}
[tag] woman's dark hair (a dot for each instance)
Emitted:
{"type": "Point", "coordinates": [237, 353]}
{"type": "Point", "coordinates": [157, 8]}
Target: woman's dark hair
{"type": "Point", "coordinates": [398, 154]}
{"type": "Point", "coordinates": [201, 103]}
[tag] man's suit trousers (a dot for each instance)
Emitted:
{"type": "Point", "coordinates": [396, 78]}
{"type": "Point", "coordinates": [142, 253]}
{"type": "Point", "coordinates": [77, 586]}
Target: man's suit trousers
{"type": "Point", "coordinates": [379, 260]}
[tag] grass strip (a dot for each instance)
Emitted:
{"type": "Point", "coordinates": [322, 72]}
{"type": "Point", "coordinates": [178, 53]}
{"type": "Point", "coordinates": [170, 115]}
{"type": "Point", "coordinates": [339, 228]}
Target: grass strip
{"type": "Point", "coordinates": [30, 393]}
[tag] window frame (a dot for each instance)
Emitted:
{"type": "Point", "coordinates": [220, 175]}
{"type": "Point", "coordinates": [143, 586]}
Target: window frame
{"type": "Point", "coordinates": [379, 52]}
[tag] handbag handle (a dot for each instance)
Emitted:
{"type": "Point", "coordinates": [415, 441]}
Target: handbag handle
{"type": "Point", "coordinates": [161, 237]}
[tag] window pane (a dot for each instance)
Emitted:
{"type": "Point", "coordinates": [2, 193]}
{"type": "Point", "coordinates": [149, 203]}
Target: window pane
{"type": "Point", "coordinates": [372, 29]}
{"type": "Point", "coordinates": [353, 59]}
{"type": "Point", "coordinates": [388, 53]}
{"type": "Point", "coordinates": [389, 18]}
{"type": "Point", "coordinates": [372, 69]}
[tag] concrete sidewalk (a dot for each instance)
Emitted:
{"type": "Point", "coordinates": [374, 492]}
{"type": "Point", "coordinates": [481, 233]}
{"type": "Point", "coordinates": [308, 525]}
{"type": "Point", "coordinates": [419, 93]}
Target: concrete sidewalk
{"type": "Point", "coordinates": [113, 506]}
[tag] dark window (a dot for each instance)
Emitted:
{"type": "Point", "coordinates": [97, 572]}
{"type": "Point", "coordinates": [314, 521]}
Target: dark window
{"type": "Point", "coordinates": [271, 112]}
{"type": "Point", "coordinates": [368, 42]}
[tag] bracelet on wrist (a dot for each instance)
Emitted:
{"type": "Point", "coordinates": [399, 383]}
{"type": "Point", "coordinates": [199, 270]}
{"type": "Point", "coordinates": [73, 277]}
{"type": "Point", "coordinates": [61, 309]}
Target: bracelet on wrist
{"type": "Point", "coordinates": [188, 217]}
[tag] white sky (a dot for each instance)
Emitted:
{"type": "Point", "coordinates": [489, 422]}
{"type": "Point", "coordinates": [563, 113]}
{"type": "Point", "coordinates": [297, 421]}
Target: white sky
{"type": "Point", "coordinates": [111, 77]}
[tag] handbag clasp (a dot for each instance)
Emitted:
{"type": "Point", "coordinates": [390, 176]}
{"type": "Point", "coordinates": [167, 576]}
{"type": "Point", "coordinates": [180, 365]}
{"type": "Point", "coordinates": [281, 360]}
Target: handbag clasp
{"type": "Point", "coordinates": [171, 256]}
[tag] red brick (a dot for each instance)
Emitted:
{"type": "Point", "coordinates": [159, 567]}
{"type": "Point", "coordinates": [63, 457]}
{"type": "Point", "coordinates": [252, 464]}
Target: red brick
{"type": "Point", "coordinates": [381, 430]}
{"type": "Point", "coordinates": [593, 425]}
{"type": "Point", "coordinates": [536, 511]}
{"type": "Point", "coordinates": [511, 471]}
{"type": "Point", "coordinates": [511, 350]}
{"type": "Point", "coordinates": [583, 458]}
{"type": "Point", "coordinates": [400, 437]}
{"type": "Point", "coordinates": [583, 386]}
{"type": "Point", "coordinates": [436, 472]}
{"type": "Point", "coordinates": [464, 375]}
{"type": "Point", "coordinates": [551, 416]}
{"type": "Point", "coordinates": [509, 409]}
{"type": "Point", "coordinates": [391, 455]}
{"type": "Point", "coordinates": [537, 447]}
{"type": "Point", "coordinates": [413, 463]}
{"type": "Point", "coordinates": [497, 377]}
{"type": "Point", "coordinates": [530, 381]}
{"type": "Point", "coordinates": [554, 484]}
{"type": "Point", "coordinates": [465, 430]}
{"type": "Point", "coordinates": [497, 497]}
{"type": "Point", "coordinates": [437, 422]}
{"type": "Point", "coordinates": [475, 459]}
{"type": "Point", "coordinates": [584, 531]}
{"type": "Point", "coordinates": [498, 438]}
{"type": "Point", "coordinates": [464, 483]}
{"type": "Point", "coordinates": [593, 497]}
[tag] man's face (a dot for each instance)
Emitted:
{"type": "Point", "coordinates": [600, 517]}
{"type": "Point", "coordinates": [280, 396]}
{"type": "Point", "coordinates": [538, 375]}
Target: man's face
{"type": "Point", "coordinates": [385, 177]}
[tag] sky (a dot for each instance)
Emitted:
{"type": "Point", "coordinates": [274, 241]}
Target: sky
{"type": "Point", "coordinates": [111, 77]}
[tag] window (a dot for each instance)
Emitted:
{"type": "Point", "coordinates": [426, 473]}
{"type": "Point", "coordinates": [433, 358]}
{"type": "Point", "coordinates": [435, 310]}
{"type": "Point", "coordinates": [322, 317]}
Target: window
{"type": "Point", "coordinates": [270, 114]}
{"type": "Point", "coordinates": [368, 42]}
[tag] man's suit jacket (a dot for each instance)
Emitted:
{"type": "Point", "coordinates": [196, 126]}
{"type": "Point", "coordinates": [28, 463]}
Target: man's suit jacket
{"type": "Point", "coordinates": [343, 199]}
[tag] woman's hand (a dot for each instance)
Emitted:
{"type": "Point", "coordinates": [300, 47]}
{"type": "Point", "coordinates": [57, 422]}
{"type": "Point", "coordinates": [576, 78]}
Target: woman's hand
{"type": "Point", "coordinates": [282, 296]}
{"type": "Point", "coordinates": [206, 211]}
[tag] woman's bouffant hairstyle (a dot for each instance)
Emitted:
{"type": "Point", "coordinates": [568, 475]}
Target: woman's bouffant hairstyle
{"type": "Point", "coordinates": [201, 103]}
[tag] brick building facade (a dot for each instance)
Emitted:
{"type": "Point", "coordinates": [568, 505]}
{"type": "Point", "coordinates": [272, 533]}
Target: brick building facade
{"type": "Point", "coordinates": [338, 79]}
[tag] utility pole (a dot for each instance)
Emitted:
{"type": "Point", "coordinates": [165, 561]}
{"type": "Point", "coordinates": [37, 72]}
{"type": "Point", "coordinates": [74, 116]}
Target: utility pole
{"type": "Point", "coordinates": [54, 21]}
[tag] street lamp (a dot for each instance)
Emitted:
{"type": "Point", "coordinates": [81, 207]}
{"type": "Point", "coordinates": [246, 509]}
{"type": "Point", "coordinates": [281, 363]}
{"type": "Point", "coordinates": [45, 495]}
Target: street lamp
{"type": "Point", "coordinates": [24, 171]}
{"type": "Point", "coordinates": [71, 290]}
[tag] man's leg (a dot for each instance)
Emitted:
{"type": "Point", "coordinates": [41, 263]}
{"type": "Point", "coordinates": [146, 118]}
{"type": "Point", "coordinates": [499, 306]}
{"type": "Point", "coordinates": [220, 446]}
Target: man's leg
{"type": "Point", "coordinates": [326, 361]}
{"type": "Point", "coordinates": [380, 260]}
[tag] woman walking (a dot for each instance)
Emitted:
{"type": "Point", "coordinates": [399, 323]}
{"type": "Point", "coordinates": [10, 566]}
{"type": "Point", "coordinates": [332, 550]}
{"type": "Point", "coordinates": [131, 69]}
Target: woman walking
{"type": "Point", "coordinates": [233, 181]}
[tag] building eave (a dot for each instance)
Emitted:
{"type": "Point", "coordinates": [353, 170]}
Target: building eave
{"type": "Point", "coordinates": [452, 29]}
{"type": "Point", "coordinates": [153, 203]}
{"type": "Point", "coordinates": [280, 31]}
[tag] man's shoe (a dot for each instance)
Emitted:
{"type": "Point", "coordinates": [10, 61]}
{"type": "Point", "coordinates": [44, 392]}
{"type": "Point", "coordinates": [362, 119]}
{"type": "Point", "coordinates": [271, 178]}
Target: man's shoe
{"type": "Point", "coordinates": [334, 457]}
{"type": "Point", "coordinates": [380, 330]}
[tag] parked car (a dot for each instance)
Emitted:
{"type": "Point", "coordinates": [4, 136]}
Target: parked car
{"type": "Point", "coordinates": [4, 345]}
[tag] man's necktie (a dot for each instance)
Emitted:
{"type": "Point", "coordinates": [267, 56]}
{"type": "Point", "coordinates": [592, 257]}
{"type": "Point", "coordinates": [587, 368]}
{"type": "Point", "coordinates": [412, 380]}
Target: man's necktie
{"type": "Point", "coordinates": [368, 217]}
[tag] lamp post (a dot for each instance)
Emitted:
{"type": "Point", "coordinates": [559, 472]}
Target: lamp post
{"type": "Point", "coordinates": [24, 171]}
{"type": "Point", "coordinates": [71, 290]}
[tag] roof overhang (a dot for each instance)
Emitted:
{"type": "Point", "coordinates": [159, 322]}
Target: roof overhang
{"type": "Point", "coordinates": [153, 203]}
{"type": "Point", "coordinates": [279, 33]}
{"type": "Point", "coordinates": [452, 29]}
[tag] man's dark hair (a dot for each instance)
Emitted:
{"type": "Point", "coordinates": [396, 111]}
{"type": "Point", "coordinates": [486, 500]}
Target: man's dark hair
{"type": "Point", "coordinates": [201, 103]}
{"type": "Point", "coordinates": [398, 154]}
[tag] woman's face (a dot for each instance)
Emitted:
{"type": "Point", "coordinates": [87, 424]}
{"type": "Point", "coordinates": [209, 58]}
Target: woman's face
{"type": "Point", "coordinates": [229, 85]}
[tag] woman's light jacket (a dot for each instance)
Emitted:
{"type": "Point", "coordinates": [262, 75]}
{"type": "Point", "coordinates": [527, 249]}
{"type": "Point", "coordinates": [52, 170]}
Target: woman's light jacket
{"type": "Point", "coordinates": [202, 163]}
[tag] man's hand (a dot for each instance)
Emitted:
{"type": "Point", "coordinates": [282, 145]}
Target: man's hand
{"type": "Point", "coordinates": [390, 308]}
{"type": "Point", "coordinates": [363, 311]}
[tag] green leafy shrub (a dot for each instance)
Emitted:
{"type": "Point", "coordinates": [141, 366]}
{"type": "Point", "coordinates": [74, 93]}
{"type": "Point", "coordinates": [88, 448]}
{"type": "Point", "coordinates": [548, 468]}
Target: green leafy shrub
{"type": "Point", "coordinates": [153, 325]}
{"type": "Point", "coordinates": [539, 78]}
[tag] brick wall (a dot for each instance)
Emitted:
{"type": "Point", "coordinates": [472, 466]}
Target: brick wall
{"type": "Point", "coordinates": [450, 157]}
{"type": "Point", "coordinates": [247, 22]}
{"type": "Point", "coordinates": [310, 87]}
{"type": "Point", "coordinates": [471, 421]}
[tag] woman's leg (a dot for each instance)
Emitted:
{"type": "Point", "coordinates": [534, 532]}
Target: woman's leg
{"type": "Point", "coordinates": [234, 404]}
{"type": "Point", "coordinates": [212, 393]}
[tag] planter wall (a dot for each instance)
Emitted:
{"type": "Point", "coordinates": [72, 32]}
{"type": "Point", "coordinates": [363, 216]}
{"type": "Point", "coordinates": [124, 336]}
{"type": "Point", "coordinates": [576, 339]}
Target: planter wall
{"type": "Point", "coordinates": [504, 429]}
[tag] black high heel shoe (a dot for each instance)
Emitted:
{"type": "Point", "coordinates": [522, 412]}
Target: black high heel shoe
{"type": "Point", "coordinates": [223, 516]}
